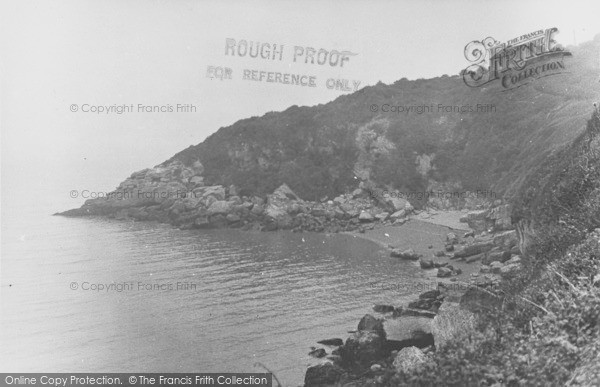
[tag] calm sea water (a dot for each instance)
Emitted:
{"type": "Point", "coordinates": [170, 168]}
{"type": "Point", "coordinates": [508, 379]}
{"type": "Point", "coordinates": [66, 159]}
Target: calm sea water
{"type": "Point", "coordinates": [243, 297]}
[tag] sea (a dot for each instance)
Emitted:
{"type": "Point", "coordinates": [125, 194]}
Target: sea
{"type": "Point", "coordinates": [101, 295]}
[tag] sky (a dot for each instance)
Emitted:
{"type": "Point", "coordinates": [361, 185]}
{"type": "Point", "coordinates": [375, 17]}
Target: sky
{"type": "Point", "coordinates": [60, 54]}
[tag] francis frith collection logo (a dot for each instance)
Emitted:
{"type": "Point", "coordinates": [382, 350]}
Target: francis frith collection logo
{"type": "Point", "coordinates": [516, 62]}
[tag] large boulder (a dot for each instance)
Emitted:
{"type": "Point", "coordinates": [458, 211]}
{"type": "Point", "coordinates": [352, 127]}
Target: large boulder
{"type": "Point", "coordinates": [496, 255]}
{"type": "Point", "coordinates": [362, 349]}
{"type": "Point", "coordinates": [478, 220]}
{"type": "Point", "coordinates": [395, 203]}
{"type": "Point", "coordinates": [474, 249]}
{"type": "Point", "coordinates": [279, 205]}
{"type": "Point", "coordinates": [451, 324]}
{"type": "Point", "coordinates": [219, 207]}
{"type": "Point", "coordinates": [383, 216]}
{"type": "Point", "coordinates": [370, 323]}
{"type": "Point", "coordinates": [409, 359]}
{"type": "Point", "coordinates": [398, 215]}
{"type": "Point", "coordinates": [408, 331]}
{"type": "Point", "coordinates": [284, 193]}
{"type": "Point", "coordinates": [365, 217]}
{"type": "Point", "coordinates": [409, 254]}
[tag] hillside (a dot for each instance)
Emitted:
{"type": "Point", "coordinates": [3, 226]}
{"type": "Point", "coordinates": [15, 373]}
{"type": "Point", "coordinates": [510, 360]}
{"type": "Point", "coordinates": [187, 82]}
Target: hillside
{"type": "Point", "coordinates": [318, 150]}
{"type": "Point", "coordinates": [302, 168]}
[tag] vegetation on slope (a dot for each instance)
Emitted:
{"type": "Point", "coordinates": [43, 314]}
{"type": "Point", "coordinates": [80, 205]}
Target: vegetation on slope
{"type": "Point", "coordinates": [548, 330]}
{"type": "Point", "coordinates": [317, 150]}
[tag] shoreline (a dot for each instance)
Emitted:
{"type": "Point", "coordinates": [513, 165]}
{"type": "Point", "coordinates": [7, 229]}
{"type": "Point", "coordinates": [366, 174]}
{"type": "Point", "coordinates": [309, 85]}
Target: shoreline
{"type": "Point", "coordinates": [425, 236]}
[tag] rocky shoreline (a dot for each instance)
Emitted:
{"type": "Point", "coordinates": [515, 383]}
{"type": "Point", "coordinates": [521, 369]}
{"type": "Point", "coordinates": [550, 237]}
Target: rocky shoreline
{"type": "Point", "coordinates": [177, 194]}
{"type": "Point", "coordinates": [404, 336]}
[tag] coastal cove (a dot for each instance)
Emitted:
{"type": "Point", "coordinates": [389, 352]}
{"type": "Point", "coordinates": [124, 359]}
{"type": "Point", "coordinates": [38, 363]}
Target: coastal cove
{"type": "Point", "coordinates": [257, 297]}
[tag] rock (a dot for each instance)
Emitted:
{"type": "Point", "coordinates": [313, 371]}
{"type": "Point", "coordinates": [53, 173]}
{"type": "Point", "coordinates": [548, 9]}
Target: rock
{"type": "Point", "coordinates": [414, 313]}
{"type": "Point", "coordinates": [409, 359]}
{"type": "Point", "coordinates": [425, 304]}
{"type": "Point", "coordinates": [336, 359]}
{"type": "Point", "coordinates": [362, 349]}
{"type": "Point", "coordinates": [376, 368]}
{"type": "Point", "coordinates": [469, 234]}
{"type": "Point", "coordinates": [284, 193]}
{"type": "Point", "coordinates": [318, 353]}
{"type": "Point", "coordinates": [357, 193]}
{"type": "Point", "coordinates": [396, 203]}
{"type": "Point", "coordinates": [478, 220]}
{"type": "Point", "coordinates": [451, 238]}
{"type": "Point", "coordinates": [449, 248]}
{"type": "Point", "coordinates": [232, 218]}
{"type": "Point", "coordinates": [496, 266]}
{"type": "Point", "coordinates": [496, 255]}
{"type": "Point", "coordinates": [219, 207]}
{"type": "Point", "coordinates": [405, 254]}
{"type": "Point", "coordinates": [444, 272]}
{"type": "Point", "coordinates": [370, 323]}
{"type": "Point", "coordinates": [510, 269]}
{"type": "Point", "coordinates": [365, 217]}
{"type": "Point", "coordinates": [439, 253]}
{"type": "Point", "coordinates": [451, 323]}
{"type": "Point", "coordinates": [398, 215]}
{"type": "Point", "coordinates": [515, 259]}
{"type": "Point", "coordinates": [383, 308]}
{"type": "Point", "coordinates": [426, 263]}
{"type": "Point", "coordinates": [474, 249]}
{"type": "Point", "coordinates": [474, 258]}
{"type": "Point", "coordinates": [484, 269]}
{"type": "Point", "coordinates": [382, 216]}
{"type": "Point", "coordinates": [400, 222]}
{"type": "Point", "coordinates": [323, 375]}
{"type": "Point", "coordinates": [235, 200]}
{"type": "Point", "coordinates": [332, 342]}
{"type": "Point", "coordinates": [408, 331]}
